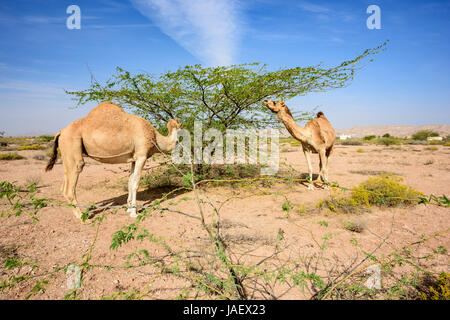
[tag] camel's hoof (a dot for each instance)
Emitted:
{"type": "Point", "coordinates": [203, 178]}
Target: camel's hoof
{"type": "Point", "coordinates": [77, 214]}
{"type": "Point", "coordinates": [132, 212]}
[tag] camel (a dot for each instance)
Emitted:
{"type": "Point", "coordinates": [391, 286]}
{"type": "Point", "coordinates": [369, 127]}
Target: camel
{"type": "Point", "coordinates": [318, 136]}
{"type": "Point", "coordinates": [109, 135]}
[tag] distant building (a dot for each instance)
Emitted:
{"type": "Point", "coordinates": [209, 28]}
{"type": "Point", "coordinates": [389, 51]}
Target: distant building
{"type": "Point", "coordinates": [434, 138]}
{"type": "Point", "coordinates": [344, 136]}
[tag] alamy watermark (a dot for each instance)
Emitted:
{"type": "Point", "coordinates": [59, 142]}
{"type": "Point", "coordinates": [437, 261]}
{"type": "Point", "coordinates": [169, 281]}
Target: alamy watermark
{"type": "Point", "coordinates": [74, 20]}
{"type": "Point", "coordinates": [249, 146]}
{"type": "Point", "coordinates": [374, 20]}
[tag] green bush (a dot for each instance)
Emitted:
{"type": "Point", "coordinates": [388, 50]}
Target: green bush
{"type": "Point", "coordinates": [386, 135]}
{"type": "Point", "coordinates": [388, 141]}
{"type": "Point", "coordinates": [368, 138]}
{"type": "Point", "coordinates": [383, 190]}
{"type": "Point", "coordinates": [424, 134]}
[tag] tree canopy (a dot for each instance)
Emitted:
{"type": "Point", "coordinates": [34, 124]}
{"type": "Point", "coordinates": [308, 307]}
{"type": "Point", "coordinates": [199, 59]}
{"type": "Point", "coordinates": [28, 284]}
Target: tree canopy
{"type": "Point", "coordinates": [219, 97]}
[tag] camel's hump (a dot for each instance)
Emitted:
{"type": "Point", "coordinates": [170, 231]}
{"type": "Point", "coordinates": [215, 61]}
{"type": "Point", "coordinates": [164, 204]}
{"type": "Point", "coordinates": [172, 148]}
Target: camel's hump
{"type": "Point", "coordinates": [106, 108]}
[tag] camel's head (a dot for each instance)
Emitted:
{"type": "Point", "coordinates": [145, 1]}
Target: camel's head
{"type": "Point", "coordinates": [173, 124]}
{"type": "Point", "coordinates": [275, 106]}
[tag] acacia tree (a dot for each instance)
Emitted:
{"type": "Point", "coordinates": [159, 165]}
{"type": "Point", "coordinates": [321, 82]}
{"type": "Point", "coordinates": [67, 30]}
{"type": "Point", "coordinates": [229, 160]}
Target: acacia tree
{"type": "Point", "coordinates": [219, 97]}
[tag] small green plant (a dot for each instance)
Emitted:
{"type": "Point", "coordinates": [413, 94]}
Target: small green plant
{"type": "Point", "coordinates": [323, 223]}
{"type": "Point", "coordinates": [386, 135]}
{"type": "Point", "coordinates": [11, 156]}
{"type": "Point", "coordinates": [431, 148]}
{"type": "Point", "coordinates": [287, 206]}
{"type": "Point", "coordinates": [360, 150]}
{"type": "Point", "coordinates": [371, 137]}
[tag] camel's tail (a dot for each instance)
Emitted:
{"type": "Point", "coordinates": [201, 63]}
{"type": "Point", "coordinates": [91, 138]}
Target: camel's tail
{"type": "Point", "coordinates": [320, 114]}
{"type": "Point", "coordinates": [52, 160]}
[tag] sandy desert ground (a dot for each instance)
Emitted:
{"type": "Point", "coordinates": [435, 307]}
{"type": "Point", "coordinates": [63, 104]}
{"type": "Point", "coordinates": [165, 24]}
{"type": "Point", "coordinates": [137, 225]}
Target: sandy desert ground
{"type": "Point", "coordinates": [254, 224]}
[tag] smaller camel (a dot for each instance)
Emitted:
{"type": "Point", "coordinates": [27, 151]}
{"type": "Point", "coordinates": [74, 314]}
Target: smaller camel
{"type": "Point", "coordinates": [109, 135]}
{"type": "Point", "coordinates": [318, 136]}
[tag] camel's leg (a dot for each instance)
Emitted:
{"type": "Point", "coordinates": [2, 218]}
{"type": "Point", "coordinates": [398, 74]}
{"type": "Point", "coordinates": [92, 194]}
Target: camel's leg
{"type": "Point", "coordinates": [130, 187]}
{"type": "Point", "coordinates": [134, 184]}
{"type": "Point", "coordinates": [308, 160]}
{"type": "Point", "coordinates": [73, 165]}
{"type": "Point", "coordinates": [327, 155]}
{"type": "Point", "coordinates": [72, 157]}
{"type": "Point", "coordinates": [64, 184]}
{"type": "Point", "coordinates": [320, 168]}
{"type": "Point", "coordinates": [323, 167]}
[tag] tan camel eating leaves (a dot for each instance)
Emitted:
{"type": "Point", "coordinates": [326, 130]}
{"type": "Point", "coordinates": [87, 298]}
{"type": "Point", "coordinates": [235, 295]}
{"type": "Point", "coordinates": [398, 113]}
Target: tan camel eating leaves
{"type": "Point", "coordinates": [110, 135]}
{"type": "Point", "coordinates": [318, 136]}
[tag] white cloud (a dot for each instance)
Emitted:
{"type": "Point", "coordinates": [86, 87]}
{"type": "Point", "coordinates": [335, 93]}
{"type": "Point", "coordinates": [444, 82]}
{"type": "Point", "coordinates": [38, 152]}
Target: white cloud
{"type": "Point", "coordinates": [310, 7]}
{"type": "Point", "coordinates": [208, 29]}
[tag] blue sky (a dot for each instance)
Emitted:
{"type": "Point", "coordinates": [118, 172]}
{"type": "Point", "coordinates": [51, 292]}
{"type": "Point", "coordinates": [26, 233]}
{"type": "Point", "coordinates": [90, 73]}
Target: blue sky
{"type": "Point", "coordinates": [408, 84]}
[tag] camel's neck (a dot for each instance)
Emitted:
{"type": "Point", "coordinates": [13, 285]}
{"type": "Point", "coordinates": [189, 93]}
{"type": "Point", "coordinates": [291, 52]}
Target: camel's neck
{"type": "Point", "coordinates": [294, 129]}
{"type": "Point", "coordinates": [166, 143]}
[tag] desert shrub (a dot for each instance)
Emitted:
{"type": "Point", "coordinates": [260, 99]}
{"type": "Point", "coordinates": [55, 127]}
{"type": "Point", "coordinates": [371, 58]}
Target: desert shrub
{"type": "Point", "coordinates": [32, 147]}
{"type": "Point", "coordinates": [11, 156]}
{"type": "Point", "coordinates": [351, 142]}
{"type": "Point", "coordinates": [387, 141]}
{"type": "Point", "coordinates": [355, 226]}
{"type": "Point", "coordinates": [383, 190]}
{"type": "Point", "coordinates": [424, 134]}
{"type": "Point", "coordinates": [435, 289]}
{"type": "Point", "coordinates": [360, 150]}
{"type": "Point", "coordinates": [432, 148]}
{"type": "Point", "coordinates": [447, 144]}
{"type": "Point", "coordinates": [173, 175]}
{"type": "Point", "coordinates": [368, 138]}
{"type": "Point", "coordinates": [386, 135]}
{"type": "Point", "coordinates": [46, 138]}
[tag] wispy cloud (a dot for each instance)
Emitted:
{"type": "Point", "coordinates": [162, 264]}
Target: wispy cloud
{"type": "Point", "coordinates": [50, 20]}
{"type": "Point", "coordinates": [36, 90]}
{"type": "Point", "coordinates": [208, 29]}
{"type": "Point", "coordinates": [311, 7]}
